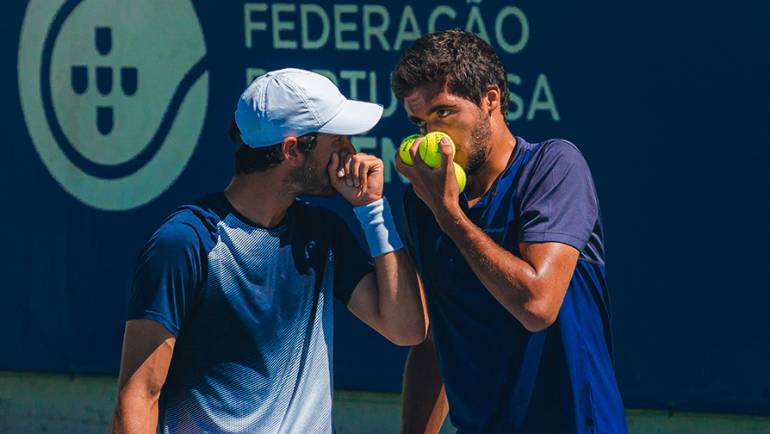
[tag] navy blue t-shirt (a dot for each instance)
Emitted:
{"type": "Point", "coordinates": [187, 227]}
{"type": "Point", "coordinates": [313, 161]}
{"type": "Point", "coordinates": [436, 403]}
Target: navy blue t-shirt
{"type": "Point", "coordinates": [499, 377]}
{"type": "Point", "coordinates": [251, 308]}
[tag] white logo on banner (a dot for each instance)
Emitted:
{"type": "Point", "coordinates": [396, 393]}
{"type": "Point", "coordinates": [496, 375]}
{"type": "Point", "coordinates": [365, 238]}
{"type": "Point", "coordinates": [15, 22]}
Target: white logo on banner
{"type": "Point", "coordinates": [114, 94]}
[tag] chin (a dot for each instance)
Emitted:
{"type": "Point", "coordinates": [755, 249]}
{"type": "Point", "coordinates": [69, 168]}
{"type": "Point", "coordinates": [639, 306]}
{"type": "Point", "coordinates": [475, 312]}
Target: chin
{"type": "Point", "coordinates": [475, 160]}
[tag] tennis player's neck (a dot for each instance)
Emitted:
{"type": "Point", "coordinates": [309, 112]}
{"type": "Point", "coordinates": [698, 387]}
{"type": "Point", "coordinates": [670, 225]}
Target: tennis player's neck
{"type": "Point", "coordinates": [502, 147]}
{"type": "Point", "coordinates": [256, 197]}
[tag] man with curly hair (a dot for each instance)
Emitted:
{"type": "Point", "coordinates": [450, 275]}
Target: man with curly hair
{"type": "Point", "coordinates": [513, 268]}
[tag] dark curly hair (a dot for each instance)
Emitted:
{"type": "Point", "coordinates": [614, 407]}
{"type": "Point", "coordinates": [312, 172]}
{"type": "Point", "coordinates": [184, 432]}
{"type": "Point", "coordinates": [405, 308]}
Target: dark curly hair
{"type": "Point", "coordinates": [249, 160]}
{"type": "Point", "coordinates": [466, 64]}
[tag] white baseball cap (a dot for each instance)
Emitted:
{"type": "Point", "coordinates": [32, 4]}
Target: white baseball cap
{"type": "Point", "coordinates": [295, 102]}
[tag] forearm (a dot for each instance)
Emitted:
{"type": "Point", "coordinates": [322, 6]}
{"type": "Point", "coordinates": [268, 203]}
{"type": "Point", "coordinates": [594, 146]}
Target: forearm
{"type": "Point", "coordinates": [511, 280]}
{"type": "Point", "coordinates": [400, 300]}
{"type": "Point", "coordinates": [423, 402]}
{"type": "Point", "coordinates": [147, 351]}
{"type": "Point", "coordinates": [393, 303]}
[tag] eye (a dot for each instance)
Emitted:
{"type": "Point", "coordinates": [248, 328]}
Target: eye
{"type": "Point", "coordinates": [419, 124]}
{"type": "Point", "coordinates": [442, 113]}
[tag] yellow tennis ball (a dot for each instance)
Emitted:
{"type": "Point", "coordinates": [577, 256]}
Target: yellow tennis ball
{"type": "Point", "coordinates": [461, 178]}
{"type": "Point", "coordinates": [403, 148]}
{"type": "Point", "coordinates": [430, 153]}
{"type": "Point", "coordinates": [430, 148]}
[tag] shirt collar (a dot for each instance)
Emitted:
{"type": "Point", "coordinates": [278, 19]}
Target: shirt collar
{"type": "Point", "coordinates": [486, 198]}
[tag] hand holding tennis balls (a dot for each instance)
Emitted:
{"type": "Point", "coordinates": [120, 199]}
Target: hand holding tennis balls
{"type": "Point", "coordinates": [430, 153]}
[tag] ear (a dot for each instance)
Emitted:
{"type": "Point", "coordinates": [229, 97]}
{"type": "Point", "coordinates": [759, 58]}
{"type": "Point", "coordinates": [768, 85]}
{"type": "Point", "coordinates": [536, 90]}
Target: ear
{"type": "Point", "coordinates": [290, 149]}
{"type": "Point", "coordinates": [491, 99]}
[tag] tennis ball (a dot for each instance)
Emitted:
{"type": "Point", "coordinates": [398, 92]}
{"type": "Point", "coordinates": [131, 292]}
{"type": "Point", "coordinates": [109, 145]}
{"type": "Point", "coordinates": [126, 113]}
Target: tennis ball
{"type": "Point", "coordinates": [460, 175]}
{"type": "Point", "coordinates": [403, 148]}
{"type": "Point", "coordinates": [430, 149]}
{"type": "Point", "coordinates": [430, 153]}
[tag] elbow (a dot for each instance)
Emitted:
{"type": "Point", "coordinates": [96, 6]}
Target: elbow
{"type": "Point", "coordinates": [132, 396]}
{"type": "Point", "coordinates": [535, 325]}
{"type": "Point", "coordinates": [407, 341]}
{"type": "Point", "coordinates": [412, 339]}
{"type": "Point", "coordinates": [133, 404]}
{"type": "Point", "coordinates": [539, 315]}
{"type": "Point", "coordinates": [409, 336]}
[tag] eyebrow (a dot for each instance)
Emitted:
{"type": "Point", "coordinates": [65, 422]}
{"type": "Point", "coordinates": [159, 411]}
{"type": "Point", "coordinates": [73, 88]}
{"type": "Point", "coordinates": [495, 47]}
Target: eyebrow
{"type": "Point", "coordinates": [433, 109]}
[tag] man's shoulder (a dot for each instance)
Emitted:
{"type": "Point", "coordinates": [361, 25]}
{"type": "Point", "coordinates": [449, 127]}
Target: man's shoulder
{"type": "Point", "coordinates": [554, 157]}
{"type": "Point", "coordinates": [190, 225]}
{"type": "Point", "coordinates": [558, 149]}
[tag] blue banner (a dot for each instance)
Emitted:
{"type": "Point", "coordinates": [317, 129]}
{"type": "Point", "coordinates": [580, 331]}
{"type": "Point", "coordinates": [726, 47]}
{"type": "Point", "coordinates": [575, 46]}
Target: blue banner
{"type": "Point", "coordinates": [115, 112]}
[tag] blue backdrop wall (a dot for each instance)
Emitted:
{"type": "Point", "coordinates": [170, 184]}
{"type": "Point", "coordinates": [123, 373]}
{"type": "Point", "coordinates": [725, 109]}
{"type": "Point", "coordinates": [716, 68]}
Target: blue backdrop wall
{"type": "Point", "coordinates": [115, 112]}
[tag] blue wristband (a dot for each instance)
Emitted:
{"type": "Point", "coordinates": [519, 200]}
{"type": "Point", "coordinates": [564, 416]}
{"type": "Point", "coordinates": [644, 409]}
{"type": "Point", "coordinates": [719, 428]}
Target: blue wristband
{"type": "Point", "coordinates": [379, 228]}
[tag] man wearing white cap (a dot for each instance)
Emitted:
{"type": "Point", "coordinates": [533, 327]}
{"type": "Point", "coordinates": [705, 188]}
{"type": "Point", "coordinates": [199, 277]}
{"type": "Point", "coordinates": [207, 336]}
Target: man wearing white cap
{"type": "Point", "coordinates": [230, 320]}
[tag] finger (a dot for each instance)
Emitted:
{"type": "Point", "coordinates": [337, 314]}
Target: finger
{"type": "Point", "coordinates": [341, 164]}
{"type": "Point", "coordinates": [414, 151]}
{"type": "Point", "coordinates": [449, 170]}
{"type": "Point", "coordinates": [447, 164]}
{"type": "Point", "coordinates": [348, 170]}
{"type": "Point", "coordinates": [333, 166]}
{"type": "Point", "coordinates": [336, 181]}
{"type": "Point", "coordinates": [363, 174]}
{"type": "Point", "coordinates": [400, 167]}
{"type": "Point", "coordinates": [404, 168]}
{"type": "Point", "coordinates": [447, 153]}
{"type": "Point", "coordinates": [370, 165]}
{"type": "Point", "coordinates": [355, 170]}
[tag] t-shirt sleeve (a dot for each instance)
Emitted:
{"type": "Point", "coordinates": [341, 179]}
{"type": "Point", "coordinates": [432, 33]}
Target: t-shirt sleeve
{"type": "Point", "coordinates": [558, 200]}
{"type": "Point", "coordinates": [167, 277]}
{"type": "Point", "coordinates": [351, 262]}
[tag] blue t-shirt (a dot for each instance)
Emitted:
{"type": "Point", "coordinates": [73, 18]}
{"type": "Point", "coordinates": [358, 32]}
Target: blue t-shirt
{"type": "Point", "coordinates": [499, 377]}
{"type": "Point", "coordinates": [251, 309]}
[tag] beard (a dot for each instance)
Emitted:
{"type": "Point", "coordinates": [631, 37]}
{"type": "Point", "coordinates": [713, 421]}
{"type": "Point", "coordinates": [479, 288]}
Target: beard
{"type": "Point", "coordinates": [479, 145]}
{"type": "Point", "coordinates": [311, 179]}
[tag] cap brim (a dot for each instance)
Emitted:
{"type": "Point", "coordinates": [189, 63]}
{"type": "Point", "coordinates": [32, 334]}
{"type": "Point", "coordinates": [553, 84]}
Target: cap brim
{"type": "Point", "coordinates": [355, 117]}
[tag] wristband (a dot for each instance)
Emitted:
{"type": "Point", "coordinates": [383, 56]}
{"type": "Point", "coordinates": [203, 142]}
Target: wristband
{"type": "Point", "coordinates": [379, 228]}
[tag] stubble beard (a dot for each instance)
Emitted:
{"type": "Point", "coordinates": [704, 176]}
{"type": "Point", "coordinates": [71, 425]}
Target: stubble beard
{"type": "Point", "coordinates": [479, 146]}
{"type": "Point", "coordinates": [311, 180]}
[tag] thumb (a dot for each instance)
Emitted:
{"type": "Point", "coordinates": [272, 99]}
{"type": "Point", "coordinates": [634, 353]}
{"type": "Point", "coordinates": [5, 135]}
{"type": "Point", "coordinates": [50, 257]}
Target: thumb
{"type": "Point", "coordinates": [447, 152]}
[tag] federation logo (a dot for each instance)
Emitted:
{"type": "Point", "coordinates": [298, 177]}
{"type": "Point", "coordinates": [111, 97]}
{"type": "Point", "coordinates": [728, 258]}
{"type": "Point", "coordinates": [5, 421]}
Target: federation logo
{"type": "Point", "coordinates": [114, 94]}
